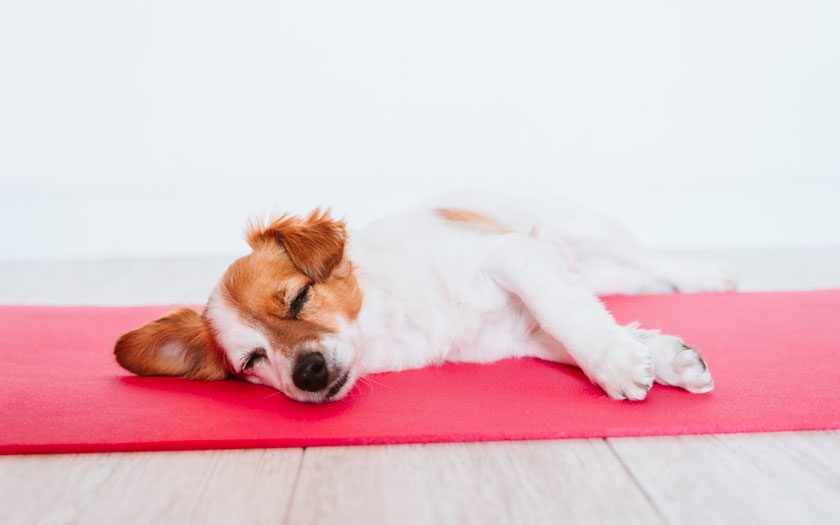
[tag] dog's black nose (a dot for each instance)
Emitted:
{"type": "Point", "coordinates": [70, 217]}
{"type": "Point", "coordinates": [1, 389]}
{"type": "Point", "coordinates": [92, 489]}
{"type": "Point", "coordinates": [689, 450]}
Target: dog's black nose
{"type": "Point", "coordinates": [311, 372]}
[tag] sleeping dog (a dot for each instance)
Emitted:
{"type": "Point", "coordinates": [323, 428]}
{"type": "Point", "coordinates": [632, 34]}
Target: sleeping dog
{"type": "Point", "coordinates": [467, 278]}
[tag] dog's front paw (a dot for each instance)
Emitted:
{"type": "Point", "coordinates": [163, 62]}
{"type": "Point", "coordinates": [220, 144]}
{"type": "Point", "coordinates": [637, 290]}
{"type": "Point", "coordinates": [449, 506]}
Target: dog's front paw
{"type": "Point", "coordinates": [626, 370]}
{"type": "Point", "coordinates": [691, 371]}
{"type": "Point", "coordinates": [677, 364]}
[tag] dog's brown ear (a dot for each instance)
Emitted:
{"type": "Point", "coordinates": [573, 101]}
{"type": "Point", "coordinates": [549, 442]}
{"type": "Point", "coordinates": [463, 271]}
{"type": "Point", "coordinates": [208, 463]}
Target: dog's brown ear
{"type": "Point", "coordinates": [178, 344]}
{"type": "Point", "coordinates": [315, 244]}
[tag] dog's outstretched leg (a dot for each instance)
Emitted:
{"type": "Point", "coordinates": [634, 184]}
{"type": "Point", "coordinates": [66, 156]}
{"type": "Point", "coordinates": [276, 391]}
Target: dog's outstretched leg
{"type": "Point", "coordinates": [604, 350]}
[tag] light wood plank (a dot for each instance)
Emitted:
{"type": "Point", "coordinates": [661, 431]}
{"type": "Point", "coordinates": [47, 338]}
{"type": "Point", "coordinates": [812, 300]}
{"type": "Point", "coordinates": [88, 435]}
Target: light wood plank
{"type": "Point", "coordinates": [569, 481]}
{"type": "Point", "coordinates": [231, 486]}
{"type": "Point", "coordinates": [752, 478]}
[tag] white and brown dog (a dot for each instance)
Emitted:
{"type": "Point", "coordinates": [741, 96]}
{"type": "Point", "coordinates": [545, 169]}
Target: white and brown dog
{"type": "Point", "coordinates": [469, 278]}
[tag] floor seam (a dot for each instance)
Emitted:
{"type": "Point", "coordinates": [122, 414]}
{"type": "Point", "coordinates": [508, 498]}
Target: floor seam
{"type": "Point", "coordinates": [292, 493]}
{"type": "Point", "coordinates": [636, 481]}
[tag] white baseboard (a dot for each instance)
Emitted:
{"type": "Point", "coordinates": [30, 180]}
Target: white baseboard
{"type": "Point", "coordinates": [89, 225]}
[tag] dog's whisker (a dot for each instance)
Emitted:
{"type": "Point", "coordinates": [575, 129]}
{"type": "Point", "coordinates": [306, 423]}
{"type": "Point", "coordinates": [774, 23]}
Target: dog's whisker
{"type": "Point", "coordinates": [272, 395]}
{"type": "Point", "coordinates": [373, 381]}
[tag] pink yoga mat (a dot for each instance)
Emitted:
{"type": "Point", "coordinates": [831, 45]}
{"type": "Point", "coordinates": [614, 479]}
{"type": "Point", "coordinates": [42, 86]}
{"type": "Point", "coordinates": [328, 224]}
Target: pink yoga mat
{"type": "Point", "coordinates": [774, 357]}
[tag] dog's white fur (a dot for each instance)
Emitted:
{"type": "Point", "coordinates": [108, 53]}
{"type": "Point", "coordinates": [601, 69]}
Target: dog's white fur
{"type": "Point", "coordinates": [437, 290]}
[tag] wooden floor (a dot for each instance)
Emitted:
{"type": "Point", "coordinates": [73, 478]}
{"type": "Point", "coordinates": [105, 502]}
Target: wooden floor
{"type": "Point", "coordinates": [755, 478]}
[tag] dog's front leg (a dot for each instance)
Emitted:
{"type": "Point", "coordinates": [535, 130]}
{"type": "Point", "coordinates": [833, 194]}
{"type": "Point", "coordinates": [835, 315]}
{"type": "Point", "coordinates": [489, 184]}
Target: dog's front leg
{"type": "Point", "coordinates": [572, 315]}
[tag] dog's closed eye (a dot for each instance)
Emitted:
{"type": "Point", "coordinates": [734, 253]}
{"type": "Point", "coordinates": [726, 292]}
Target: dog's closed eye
{"type": "Point", "coordinates": [253, 358]}
{"type": "Point", "coordinates": [298, 302]}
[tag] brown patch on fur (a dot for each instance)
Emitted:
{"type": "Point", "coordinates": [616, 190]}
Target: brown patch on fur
{"type": "Point", "coordinates": [315, 244]}
{"type": "Point", "coordinates": [472, 219]}
{"type": "Point", "coordinates": [191, 350]}
{"type": "Point", "coordinates": [261, 286]}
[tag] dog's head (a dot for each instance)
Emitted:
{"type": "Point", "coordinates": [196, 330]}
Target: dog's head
{"type": "Point", "coordinates": [273, 319]}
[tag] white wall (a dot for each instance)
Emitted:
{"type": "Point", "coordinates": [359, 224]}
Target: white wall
{"type": "Point", "coordinates": [156, 127]}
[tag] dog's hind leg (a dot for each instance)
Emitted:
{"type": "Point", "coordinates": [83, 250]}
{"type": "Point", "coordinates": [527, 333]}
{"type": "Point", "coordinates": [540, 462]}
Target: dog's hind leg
{"type": "Point", "coordinates": [606, 257]}
{"type": "Point", "coordinates": [610, 260]}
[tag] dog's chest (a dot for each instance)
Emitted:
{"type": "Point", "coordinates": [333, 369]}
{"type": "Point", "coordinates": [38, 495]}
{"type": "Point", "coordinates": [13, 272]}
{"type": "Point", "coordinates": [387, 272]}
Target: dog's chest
{"type": "Point", "coordinates": [423, 307]}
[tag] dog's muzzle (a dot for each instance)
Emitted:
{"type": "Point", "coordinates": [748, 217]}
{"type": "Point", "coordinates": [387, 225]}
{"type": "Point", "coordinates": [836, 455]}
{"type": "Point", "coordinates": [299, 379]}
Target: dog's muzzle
{"type": "Point", "coordinates": [312, 374]}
